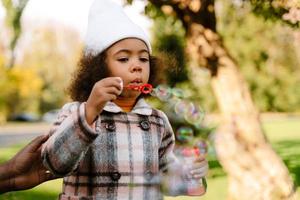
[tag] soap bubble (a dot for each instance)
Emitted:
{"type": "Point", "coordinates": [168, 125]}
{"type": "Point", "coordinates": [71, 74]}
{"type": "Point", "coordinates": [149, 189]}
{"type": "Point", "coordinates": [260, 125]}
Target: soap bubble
{"type": "Point", "coordinates": [194, 116]}
{"type": "Point", "coordinates": [183, 106]}
{"type": "Point", "coordinates": [179, 93]}
{"type": "Point", "coordinates": [202, 146]}
{"type": "Point", "coordinates": [184, 134]}
{"type": "Point", "coordinates": [163, 92]}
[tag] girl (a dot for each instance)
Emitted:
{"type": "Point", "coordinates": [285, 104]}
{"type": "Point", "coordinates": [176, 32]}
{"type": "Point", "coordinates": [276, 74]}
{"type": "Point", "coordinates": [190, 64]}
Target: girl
{"type": "Point", "coordinates": [109, 143]}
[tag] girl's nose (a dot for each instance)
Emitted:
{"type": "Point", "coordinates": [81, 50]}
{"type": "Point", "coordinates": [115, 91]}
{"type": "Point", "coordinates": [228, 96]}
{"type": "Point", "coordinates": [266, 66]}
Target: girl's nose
{"type": "Point", "coordinates": [136, 67]}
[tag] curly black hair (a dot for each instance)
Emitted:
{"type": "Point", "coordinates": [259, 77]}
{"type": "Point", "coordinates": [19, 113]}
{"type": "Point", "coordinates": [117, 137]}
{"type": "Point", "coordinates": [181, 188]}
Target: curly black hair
{"type": "Point", "coordinates": [92, 68]}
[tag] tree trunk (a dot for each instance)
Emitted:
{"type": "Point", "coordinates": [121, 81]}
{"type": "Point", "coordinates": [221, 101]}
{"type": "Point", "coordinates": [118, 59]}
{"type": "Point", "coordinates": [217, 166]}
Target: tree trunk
{"type": "Point", "coordinates": [254, 170]}
{"type": "Point", "coordinates": [14, 11]}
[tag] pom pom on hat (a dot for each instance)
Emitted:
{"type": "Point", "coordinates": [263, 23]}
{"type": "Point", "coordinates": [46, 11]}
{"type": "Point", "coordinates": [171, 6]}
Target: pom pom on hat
{"type": "Point", "coordinates": [108, 24]}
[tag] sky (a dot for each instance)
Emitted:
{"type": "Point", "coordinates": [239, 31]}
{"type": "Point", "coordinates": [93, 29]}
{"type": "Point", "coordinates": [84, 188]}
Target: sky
{"type": "Point", "coordinates": [74, 13]}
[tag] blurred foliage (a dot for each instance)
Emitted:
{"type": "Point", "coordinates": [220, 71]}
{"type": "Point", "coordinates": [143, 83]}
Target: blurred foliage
{"type": "Point", "coordinates": [3, 81]}
{"type": "Point", "coordinates": [169, 42]}
{"type": "Point", "coordinates": [276, 10]}
{"type": "Point", "coordinates": [53, 52]}
{"type": "Point", "coordinates": [20, 90]}
{"type": "Point", "coordinates": [267, 53]}
{"type": "Point", "coordinates": [47, 56]}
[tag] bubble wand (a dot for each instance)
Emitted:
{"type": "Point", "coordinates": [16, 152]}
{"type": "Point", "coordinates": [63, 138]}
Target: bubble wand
{"type": "Point", "coordinates": [145, 88]}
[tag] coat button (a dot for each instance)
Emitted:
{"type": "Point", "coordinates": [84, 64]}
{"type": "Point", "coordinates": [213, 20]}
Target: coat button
{"type": "Point", "coordinates": [115, 176]}
{"type": "Point", "coordinates": [148, 175]}
{"type": "Point", "coordinates": [145, 125]}
{"type": "Point", "coordinates": [110, 126]}
{"type": "Point", "coordinates": [84, 198]}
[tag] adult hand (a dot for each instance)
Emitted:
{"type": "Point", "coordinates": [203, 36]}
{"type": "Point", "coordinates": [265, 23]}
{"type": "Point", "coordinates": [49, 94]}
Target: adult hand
{"type": "Point", "coordinates": [26, 167]}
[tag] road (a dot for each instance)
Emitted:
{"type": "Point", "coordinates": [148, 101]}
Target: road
{"type": "Point", "coordinates": [16, 133]}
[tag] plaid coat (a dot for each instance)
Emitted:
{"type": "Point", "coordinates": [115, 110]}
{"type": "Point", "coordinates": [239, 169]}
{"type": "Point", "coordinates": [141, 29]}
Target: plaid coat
{"type": "Point", "coordinates": [123, 156]}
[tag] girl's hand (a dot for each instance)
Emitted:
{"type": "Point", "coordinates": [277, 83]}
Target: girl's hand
{"type": "Point", "coordinates": [199, 168]}
{"type": "Point", "coordinates": [105, 90]}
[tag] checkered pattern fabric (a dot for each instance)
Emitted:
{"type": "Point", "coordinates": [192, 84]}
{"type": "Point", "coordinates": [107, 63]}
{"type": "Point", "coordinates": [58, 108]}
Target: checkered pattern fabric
{"type": "Point", "coordinates": [122, 156]}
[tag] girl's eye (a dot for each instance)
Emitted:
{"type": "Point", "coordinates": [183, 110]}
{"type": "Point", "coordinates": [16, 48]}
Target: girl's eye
{"type": "Point", "coordinates": [144, 59]}
{"type": "Point", "coordinates": [123, 59]}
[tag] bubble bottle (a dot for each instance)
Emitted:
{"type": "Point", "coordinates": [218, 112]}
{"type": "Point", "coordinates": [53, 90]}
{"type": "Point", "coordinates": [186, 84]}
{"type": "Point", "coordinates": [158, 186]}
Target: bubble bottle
{"type": "Point", "coordinates": [187, 152]}
{"type": "Point", "coordinates": [195, 187]}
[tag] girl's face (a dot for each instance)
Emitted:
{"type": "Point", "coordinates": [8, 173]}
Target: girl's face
{"type": "Point", "coordinates": [129, 59]}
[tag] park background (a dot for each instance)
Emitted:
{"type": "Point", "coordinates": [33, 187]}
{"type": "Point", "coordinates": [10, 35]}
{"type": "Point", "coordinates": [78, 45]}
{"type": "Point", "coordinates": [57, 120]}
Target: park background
{"type": "Point", "coordinates": [258, 38]}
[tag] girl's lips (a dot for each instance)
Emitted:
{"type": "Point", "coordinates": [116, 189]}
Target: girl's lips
{"type": "Point", "coordinates": [137, 81]}
{"type": "Point", "coordinates": [135, 84]}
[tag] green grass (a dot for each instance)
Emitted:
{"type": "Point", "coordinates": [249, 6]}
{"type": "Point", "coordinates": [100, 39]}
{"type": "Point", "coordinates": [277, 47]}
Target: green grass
{"type": "Point", "coordinates": [282, 129]}
{"type": "Point", "coordinates": [45, 191]}
{"type": "Point", "coordinates": [284, 135]}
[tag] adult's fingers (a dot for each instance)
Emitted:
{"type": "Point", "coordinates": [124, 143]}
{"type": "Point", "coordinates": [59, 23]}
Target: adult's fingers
{"type": "Point", "coordinates": [46, 175]}
{"type": "Point", "coordinates": [35, 144]}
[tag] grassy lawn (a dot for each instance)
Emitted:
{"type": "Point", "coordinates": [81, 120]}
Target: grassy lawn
{"type": "Point", "coordinates": [284, 135]}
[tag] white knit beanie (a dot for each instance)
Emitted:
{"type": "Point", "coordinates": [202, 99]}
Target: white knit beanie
{"type": "Point", "coordinates": [107, 24]}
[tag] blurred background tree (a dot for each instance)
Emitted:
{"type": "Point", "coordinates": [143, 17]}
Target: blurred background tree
{"type": "Point", "coordinates": [45, 58]}
{"type": "Point", "coordinates": [241, 129]}
{"type": "Point", "coordinates": [168, 40]}
{"type": "Point", "coordinates": [20, 89]}
{"type": "Point", "coordinates": [53, 53]}
{"type": "Point", "coordinates": [252, 41]}
{"type": "Point", "coordinates": [14, 11]}
{"type": "Point", "coordinates": [267, 53]}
